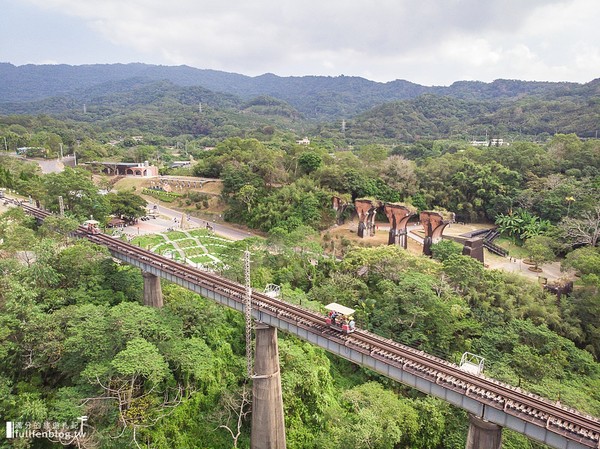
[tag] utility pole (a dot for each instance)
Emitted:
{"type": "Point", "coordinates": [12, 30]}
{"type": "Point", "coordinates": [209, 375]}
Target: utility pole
{"type": "Point", "coordinates": [248, 314]}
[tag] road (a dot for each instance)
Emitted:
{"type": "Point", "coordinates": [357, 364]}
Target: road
{"type": "Point", "coordinates": [161, 224]}
{"type": "Point", "coordinates": [166, 221]}
{"type": "Point", "coordinates": [49, 165]}
{"type": "Point", "coordinates": [550, 271]}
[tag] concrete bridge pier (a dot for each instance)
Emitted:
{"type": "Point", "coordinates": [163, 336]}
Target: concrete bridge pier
{"type": "Point", "coordinates": [152, 290]}
{"type": "Point", "coordinates": [403, 238]}
{"type": "Point", "coordinates": [268, 429]}
{"type": "Point", "coordinates": [483, 434]}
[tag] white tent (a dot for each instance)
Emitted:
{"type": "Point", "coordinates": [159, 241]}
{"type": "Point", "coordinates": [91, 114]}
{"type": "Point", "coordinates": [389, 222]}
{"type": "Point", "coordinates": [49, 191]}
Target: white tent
{"type": "Point", "coordinates": [340, 308]}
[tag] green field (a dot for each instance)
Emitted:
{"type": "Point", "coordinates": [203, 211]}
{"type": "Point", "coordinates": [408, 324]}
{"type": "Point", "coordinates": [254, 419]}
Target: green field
{"type": "Point", "coordinates": [171, 243]}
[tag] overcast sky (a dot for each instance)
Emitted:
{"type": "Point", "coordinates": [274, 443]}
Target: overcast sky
{"type": "Point", "coordinates": [430, 42]}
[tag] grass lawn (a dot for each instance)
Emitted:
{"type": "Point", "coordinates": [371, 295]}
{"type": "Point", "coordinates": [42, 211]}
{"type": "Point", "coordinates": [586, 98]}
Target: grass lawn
{"type": "Point", "coordinates": [192, 252]}
{"type": "Point", "coordinates": [186, 243]}
{"type": "Point", "coordinates": [148, 241]}
{"type": "Point", "coordinates": [176, 235]}
{"type": "Point", "coordinates": [513, 250]}
{"type": "Point", "coordinates": [200, 232]}
{"type": "Point", "coordinates": [167, 247]}
{"type": "Point", "coordinates": [215, 246]}
{"type": "Point", "coordinates": [129, 183]}
{"type": "Point", "coordinates": [203, 259]}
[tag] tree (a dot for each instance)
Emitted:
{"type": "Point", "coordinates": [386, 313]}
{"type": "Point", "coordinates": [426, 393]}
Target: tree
{"type": "Point", "coordinates": [142, 153]}
{"type": "Point", "coordinates": [15, 230]}
{"type": "Point", "coordinates": [465, 272]}
{"type": "Point", "coordinates": [585, 260]}
{"type": "Point", "coordinates": [399, 174]}
{"type": "Point", "coordinates": [378, 419]}
{"type": "Point", "coordinates": [539, 250]}
{"type": "Point", "coordinates": [238, 408]}
{"type": "Point", "coordinates": [473, 190]}
{"type": "Point", "coordinates": [521, 225]}
{"type": "Point", "coordinates": [562, 145]}
{"type": "Point", "coordinates": [127, 205]}
{"type": "Point", "coordinates": [58, 227]}
{"type": "Point", "coordinates": [140, 359]}
{"type": "Point", "coordinates": [48, 140]}
{"type": "Point", "coordinates": [444, 249]}
{"type": "Point", "coordinates": [80, 196]}
{"type": "Point", "coordinates": [372, 154]}
{"type": "Point", "coordinates": [419, 309]}
{"type": "Point", "coordinates": [309, 162]}
{"type": "Point", "coordinates": [525, 157]}
{"type": "Point", "coordinates": [91, 150]}
{"type": "Point", "coordinates": [247, 195]}
{"type": "Point", "coordinates": [584, 230]}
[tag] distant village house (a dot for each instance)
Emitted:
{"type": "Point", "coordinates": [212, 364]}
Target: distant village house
{"type": "Point", "coordinates": [490, 143]}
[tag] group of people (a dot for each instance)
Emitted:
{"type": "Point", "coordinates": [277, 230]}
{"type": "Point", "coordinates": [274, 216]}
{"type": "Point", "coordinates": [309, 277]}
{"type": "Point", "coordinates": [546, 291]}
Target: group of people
{"type": "Point", "coordinates": [339, 319]}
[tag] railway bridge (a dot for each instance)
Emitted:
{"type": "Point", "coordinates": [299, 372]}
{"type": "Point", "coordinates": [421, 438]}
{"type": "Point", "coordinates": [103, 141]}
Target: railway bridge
{"type": "Point", "coordinates": [491, 405]}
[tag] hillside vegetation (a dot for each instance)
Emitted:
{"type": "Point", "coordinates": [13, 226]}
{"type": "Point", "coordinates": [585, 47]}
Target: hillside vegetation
{"type": "Point", "coordinates": [508, 105]}
{"type": "Point", "coordinates": [75, 338]}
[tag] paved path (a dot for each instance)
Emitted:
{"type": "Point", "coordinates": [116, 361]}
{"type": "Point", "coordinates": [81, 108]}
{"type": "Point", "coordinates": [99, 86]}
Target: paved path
{"type": "Point", "coordinates": [49, 165]}
{"type": "Point", "coordinates": [166, 221]}
{"type": "Point", "coordinates": [225, 230]}
{"type": "Point", "coordinates": [550, 271]}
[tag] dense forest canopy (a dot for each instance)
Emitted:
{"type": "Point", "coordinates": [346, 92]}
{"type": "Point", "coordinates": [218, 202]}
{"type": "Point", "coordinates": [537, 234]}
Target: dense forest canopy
{"type": "Point", "coordinates": [76, 340]}
{"type": "Point", "coordinates": [467, 108]}
{"type": "Point", "coordinates": [74, 335]}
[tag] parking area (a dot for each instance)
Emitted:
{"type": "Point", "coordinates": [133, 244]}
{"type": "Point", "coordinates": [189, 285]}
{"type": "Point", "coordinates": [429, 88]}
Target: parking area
{"type": "Point", "coordinates": [152, 226]}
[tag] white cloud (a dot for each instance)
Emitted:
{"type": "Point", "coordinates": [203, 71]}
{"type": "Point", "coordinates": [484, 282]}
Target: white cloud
{"type": "Point", "coordinates": [426, 41]}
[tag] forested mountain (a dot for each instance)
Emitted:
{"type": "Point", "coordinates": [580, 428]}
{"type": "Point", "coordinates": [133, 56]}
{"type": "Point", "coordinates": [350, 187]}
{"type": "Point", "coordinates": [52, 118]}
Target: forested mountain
{"type": "Point", "coordinates": [317, 97]}
{"type": "Point", "coordinates": [130, 93]}
{"type": "Point", "coordinates": [74, 330]}
{"type": "Point", "coordinates": [139, 106]}
{"type": "Point", "coordinates": [436, 117]}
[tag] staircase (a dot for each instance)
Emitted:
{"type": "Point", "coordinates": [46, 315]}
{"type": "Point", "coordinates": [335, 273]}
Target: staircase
{"type": "Point", "coordinates": [493, 248]}
{"type": "Point", "coordinates": [488, 236]}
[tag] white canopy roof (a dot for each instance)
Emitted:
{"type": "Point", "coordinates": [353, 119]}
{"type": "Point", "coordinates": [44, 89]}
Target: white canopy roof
{"type": "Point", "coordinates": [93, 222]}
{"type": "Point", "coordinates": [339, 308]}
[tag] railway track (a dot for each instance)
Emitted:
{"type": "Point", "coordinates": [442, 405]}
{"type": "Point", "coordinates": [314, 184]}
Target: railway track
{"type": "Point", "coordinates": [562, 420]}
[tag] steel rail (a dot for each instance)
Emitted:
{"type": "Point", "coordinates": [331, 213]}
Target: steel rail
{"type": "Point", "coordinates": [556, 418]}
{"type": "Point", "coordinates": [565, 421]}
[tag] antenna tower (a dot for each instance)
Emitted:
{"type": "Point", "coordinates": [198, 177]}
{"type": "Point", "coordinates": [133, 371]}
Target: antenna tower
{"type": "Point", "coordinates": [248, 314]}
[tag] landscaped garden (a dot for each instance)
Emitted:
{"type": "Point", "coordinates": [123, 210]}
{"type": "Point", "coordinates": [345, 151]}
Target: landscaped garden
{"type": "Point", "coordinates": [199, 247]}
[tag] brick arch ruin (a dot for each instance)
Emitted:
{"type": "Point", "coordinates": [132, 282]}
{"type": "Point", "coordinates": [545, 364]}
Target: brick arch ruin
{"type": "Point", "coordinates": [366, 210]}
{"type": "Point", "coordinates": [434, 224]}
{"type": "Point", "coordinates": [398, 215]}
